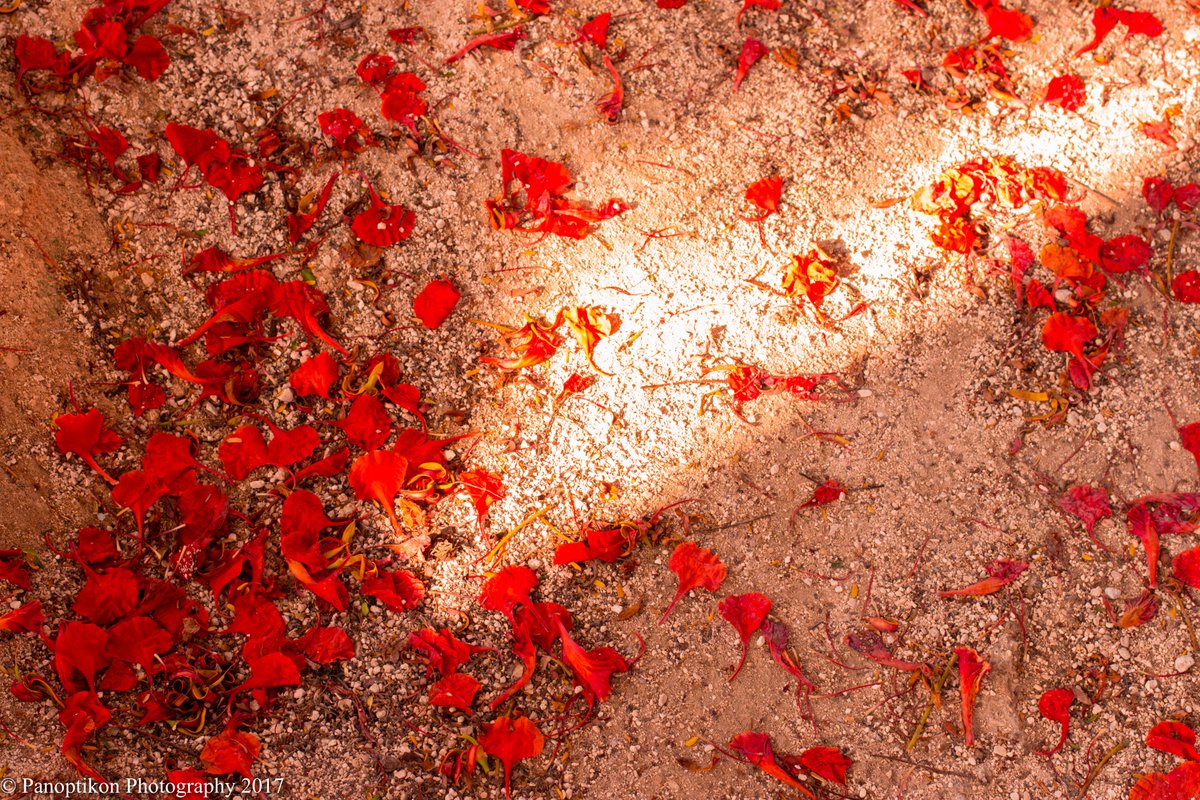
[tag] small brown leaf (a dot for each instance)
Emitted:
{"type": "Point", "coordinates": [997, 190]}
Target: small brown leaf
{"type": "Point", "coordinates": [787, 56]}
{"type": "Point", "coordinates": [631, 610]}
{"type": "Point", "coordinates": [695, 766]}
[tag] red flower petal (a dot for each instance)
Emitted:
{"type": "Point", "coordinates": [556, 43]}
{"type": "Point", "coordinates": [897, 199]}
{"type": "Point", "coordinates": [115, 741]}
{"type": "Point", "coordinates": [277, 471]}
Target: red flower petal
{"type": "Point", "coordinates": [600, 544]}
{"type": "Point", "coordinates": [326, 645]}
{"type": "Point", "coordinates": [1186, 567]}
{"type": "Point", "coordinates": [828, 763]}
{"type": "Point", "coordinates": [1158, 193]}
{"type": "Point", "coordinates": [435, 302]}
{"type": "Point", "coordinates": [1007, 23]}
{"type": "Point", "coordinates": [188, 784]}
{"type": "Point", "coordinates": [764, 195]}
{"type": "Point", "coordinates": [80, 649]}
{"type": "Point", "coordinates": [454, 691]}
{"type": "Point", "coordinates": [270, 671]}
{"type": "Point", "coordinates": [379, 476]}
{"type": "Point", "coordinates": [1066, 92]}
{"type": "Point", "coordinates": [971, 670]}
{"type": "Point", "coordinates": [85, 436]}
{"type": "Point", "coordinates": [1125, 254]}
{"type": "Point", "coordinates": [508, 588]}
{"type": "Point", "coordinates": [107, 596]}
{"type": "Point", "coordinates": [1065, 333]}
{"type": "Point", "coordinates": [82, 715]}
{"type": "Point", "coordinates": [300, 221]}
{"type": "Point", "coordinates": [511, 740]}
{"type": "Point", "coordinates": [148, 57]}
{"type": "Point", "coordinates": [497, 41]}
{"type": "Point", "coordinates": [314, 376]}
{"type": "Point", "coordinates": [483, 488]}
{"type": "Point", "coordinates": [1174, 738]}
{"type": "Point", "coordinates": [1186, 286]}
{"type": "Point", "coordinates": [383, 225]}
{"type": "Point", "coordinates": [24, 619]}
{"type": "Point", "coordinates": [770, 5]}
{"type": "Point", "coordinates": [444, 652]}
{"type": "Point", "coordinates": [1090, 504]}
{"type": "Point", "coordinates": [1140, 524]}
{"type": "Point", "coordinates": [1000, 574]}
{"type": "Point", "coordinates": [533, 343]}
{"type": "Point", "coordinates": [400, 590]}
{"type": "Point", "coordinates": [1142, 23]}
{"type": "Point", "coordinates": [1138, 611]}
{"type": "Point", "coordinates": [745, 612]}
{"type": "Point", "coordinates": [1104, 19]}
{"type": "Point", "coordinates": [1187, 197]}
{"type": "Point", "coordinates": [14, 568]}
{"type": "Point", "coordinates": [593, 669]}
{"type": "Point", "coordinates": [374, 67]}
{"type": "Point", "coordinates": [367, 425]}
{"type": "Point", "coordinates": [1183, 783]}
{"type": "Point", "coordinates": [752, 51]}
{"type": "Point", "coordinates": [231, 751]}
{"type": "Point", "coordinates": [756, 748]}
{"type": "Point", "coordinates": [828, 492]}
{"type": "Point", "coordinates": [1055, 705]}
{"type": "Point", "coordinates": [696, 567]}
{"type": "Point", "coordinates": [869, 644]}
{"type": "Point", "coordinates": [590, 325]}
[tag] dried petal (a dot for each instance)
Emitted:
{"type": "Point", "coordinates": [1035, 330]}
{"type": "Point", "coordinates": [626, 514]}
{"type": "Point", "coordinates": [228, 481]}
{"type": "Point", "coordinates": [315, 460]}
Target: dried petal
{"type": "Point", "coordinates": [752, 51]}
{"type": "Point", "coordinates": [971, 670]}
{"type": "Point", "coordinates": [756, 748]}
{"type": "Point", "coordinates": [1000, 574]}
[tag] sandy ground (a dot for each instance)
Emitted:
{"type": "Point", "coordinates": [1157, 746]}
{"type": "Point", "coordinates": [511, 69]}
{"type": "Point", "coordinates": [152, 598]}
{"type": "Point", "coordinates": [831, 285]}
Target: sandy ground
{"type": "Point", "coordinates": [947, 471]}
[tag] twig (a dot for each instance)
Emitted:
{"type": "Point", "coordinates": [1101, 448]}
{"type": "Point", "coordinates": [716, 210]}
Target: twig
{"type": "Point", "coordinates": [1186, 619]}
{"type": "Point", "coordinates": [1096, 192]}
{"type": "Point", "coordinates": [661, 233]}
{"type": "Point", "coordinates": [917, 561]}
{"type": "Point", "coordinates": [1095, 770]}
{"type": "Point", "coordinates": [665, 166]}
{"type": "Point", "coordinates": [934, 699]}
{"type": "Point", "coordinates": [867, 595]}
{"type": "Point", "coordinates": [1074, 452]}
{"type": "Point", "coordinates": [729, 525]}
{"type": "Point", "coordinates": [847, 690]}
{"type": "Point", "coordinates": [926, 767]}
{"type": "Point", "coordinates": [497, 551]}
{"type": "Point", "coordinates": [1171, 249]}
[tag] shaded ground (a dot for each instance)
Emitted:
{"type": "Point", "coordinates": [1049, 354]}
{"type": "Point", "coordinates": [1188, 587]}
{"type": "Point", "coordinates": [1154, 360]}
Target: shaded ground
{"type": "Point", "coordinates": [932, 430]}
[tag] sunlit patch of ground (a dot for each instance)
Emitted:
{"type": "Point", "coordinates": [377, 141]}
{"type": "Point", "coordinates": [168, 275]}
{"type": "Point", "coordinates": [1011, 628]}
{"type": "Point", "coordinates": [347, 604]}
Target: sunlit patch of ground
{"type": "Point", "coordinates": [937, 337]}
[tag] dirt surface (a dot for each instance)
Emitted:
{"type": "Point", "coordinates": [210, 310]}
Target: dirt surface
{"type": "Point", "coordinates": [946, 470]}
